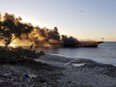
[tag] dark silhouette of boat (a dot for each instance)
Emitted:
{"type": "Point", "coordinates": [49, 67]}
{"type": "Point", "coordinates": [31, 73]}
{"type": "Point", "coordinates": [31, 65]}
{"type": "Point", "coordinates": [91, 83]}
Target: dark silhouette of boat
{"type": "Point", "coordinates": [91, 44]}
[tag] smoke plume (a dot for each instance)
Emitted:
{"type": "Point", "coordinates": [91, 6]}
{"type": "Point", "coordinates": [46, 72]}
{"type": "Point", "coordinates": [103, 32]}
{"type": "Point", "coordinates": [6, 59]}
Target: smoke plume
{"type": "Point", "coordinates": [25, 34]}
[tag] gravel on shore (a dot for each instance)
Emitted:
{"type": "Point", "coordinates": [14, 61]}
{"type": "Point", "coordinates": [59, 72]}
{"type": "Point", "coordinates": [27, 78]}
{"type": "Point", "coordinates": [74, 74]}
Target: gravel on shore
{"type": "Point", "coordinates": [82, 72]}
{"type": "Point", "coordinates": [29, 75]}
{"type": "Point", "coordinates": [57, 71]}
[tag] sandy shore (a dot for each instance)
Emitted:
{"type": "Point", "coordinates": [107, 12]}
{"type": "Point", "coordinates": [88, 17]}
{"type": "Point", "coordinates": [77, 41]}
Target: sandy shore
{"type": "Point", "coordinates": [58, 71]}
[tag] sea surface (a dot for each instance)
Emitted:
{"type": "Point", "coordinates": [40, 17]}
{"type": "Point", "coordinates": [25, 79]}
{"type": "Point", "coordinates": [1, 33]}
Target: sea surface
{"type": "Point", "coordinates": [104, 53]}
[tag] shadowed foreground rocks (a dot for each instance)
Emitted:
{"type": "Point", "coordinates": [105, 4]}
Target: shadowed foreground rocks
{"type": "Point", "coordinates": [57, 71]}
{"type": "Point", "coordinates": [82, 72]}
{"type": "Point", "coordinates": [39, 75]}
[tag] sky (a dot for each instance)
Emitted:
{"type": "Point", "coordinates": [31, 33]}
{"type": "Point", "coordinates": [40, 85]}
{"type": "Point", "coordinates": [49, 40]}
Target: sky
{"type": "Point", "coordinates": [83, 19]}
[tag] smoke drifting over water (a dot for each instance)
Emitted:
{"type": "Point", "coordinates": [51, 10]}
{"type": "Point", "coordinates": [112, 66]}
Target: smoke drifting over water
{"type": "Point", "coordinates": [44, 36]}
{"type": "Point", "coordinates": [24, 34]}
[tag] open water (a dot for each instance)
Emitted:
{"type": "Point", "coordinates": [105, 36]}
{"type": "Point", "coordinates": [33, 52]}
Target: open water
{"type": "Point", "coordinates": [104, 53]}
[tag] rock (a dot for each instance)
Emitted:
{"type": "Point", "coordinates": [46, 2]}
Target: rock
{"type": "Point", "coordinates": [32, 76]}
{"type": "Point", "coordinates": [7, 84]}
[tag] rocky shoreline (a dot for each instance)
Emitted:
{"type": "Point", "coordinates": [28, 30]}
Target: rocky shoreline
{"type": "Point", "coordinates": [39, 75]}
{"type": "Point", "coordinates": [57, 71]}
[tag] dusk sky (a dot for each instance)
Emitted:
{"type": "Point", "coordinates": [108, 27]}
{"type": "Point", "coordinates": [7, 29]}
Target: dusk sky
{"type": "Point", "coordinates": [83, 19]}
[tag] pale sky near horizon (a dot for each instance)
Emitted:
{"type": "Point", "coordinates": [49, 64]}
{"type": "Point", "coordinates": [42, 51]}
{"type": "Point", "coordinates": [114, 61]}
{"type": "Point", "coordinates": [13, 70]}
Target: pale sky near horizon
{"type": "Point", "coordinates": [84, 19]}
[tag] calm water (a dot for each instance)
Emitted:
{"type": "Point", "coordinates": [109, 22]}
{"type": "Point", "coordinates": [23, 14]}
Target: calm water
{"type": "Point", "coordinates": [105, 53]}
